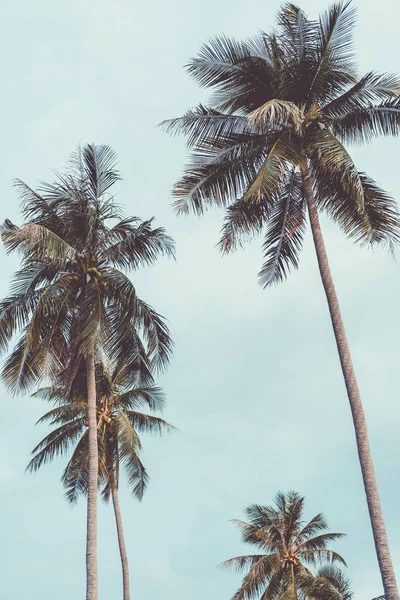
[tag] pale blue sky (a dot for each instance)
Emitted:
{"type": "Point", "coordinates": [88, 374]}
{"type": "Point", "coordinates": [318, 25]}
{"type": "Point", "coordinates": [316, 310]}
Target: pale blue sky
{"type": "Point", "coordinates": [255, 385]}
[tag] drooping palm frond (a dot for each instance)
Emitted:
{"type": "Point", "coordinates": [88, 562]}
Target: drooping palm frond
{"type": "Point", "coordinates": [364, 124]}
{"type": "Point", "coordinates": [334, 577]}
{"type": "Point", "coordinates": [56, 443]}
{"type": "Point", "coordinates": [243, 221]}
{"type": "Point", "coordinates": [37, 242]}
{"type": "Point", "coordinates": [217, 174]}
{"type": "Point", "coordinates": [285, 231]}
{"type": "Point", "coordinates": [379, 223]}
{"type": "Point", "coordinates": [137, 397]}
{"type": "Point", "coordinates": [336, 162]}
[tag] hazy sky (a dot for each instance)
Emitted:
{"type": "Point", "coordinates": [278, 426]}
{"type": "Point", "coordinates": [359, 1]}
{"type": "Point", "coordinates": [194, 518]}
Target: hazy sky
{"type": "Point", "coordinates": [255, 385]}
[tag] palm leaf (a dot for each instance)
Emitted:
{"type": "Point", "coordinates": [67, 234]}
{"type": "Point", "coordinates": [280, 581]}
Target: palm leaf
{"type": "Point", "coordinates": [285, 231]}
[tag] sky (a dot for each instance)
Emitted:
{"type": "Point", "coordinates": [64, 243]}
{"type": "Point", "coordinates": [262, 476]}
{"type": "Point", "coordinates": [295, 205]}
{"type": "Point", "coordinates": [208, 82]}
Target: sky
{"type": "Point", "coordinates": [255, 386]}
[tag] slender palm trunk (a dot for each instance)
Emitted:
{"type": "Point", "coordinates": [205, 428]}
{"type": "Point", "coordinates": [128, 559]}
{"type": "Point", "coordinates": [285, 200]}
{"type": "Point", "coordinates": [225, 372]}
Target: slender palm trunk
{"type": "Point", "coordinates": [360, 425]}
{"type": "Point", "coordinates": [293, 582]}
{"type": "Point", "coordinates": [121, 540]}
{"type": "Point", "coordinates": [91, 538]}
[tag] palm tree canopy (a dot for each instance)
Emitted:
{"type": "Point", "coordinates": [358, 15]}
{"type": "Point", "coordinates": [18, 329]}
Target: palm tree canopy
{"type": "Point", "coordinates": [70, 292]}
{"type": "Point", "coordinates": [288, 546]}
{"type": "Point", "coordinates": [119, 424]}
{"type": "Point", "coordinates": [328, 583]}
{"type": "Point", "coordinates": [283, 103]}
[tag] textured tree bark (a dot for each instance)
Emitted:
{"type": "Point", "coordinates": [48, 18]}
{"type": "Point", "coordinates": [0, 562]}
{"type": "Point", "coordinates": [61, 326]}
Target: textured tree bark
{"type": "Point", "coordinates": [360, 425]}
{"type": "Point", "coordinates": [91, 536]}
{"type": "Point", "coordinates": [121, 541]}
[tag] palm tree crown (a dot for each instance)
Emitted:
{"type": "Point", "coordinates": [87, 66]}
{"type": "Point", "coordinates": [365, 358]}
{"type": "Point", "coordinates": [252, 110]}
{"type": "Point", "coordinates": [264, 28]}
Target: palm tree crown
{"type": "Point", "coordinates": [285, 103]}
{"type": "Point", "coordinates": [118, 425]}
{"type": "Point", "coordinates": [71, 289]}
{"type": "Point", "coordinates": [288, 545]}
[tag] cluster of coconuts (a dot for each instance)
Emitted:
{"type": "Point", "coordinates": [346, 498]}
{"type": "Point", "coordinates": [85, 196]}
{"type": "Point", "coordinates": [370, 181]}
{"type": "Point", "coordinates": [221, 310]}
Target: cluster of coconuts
{"type": "Point", "coordinates": [291, 558]}
{"type": "Point", "coordinates": [81, 262]}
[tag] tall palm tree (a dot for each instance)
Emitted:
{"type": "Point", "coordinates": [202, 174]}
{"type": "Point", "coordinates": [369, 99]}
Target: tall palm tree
{"type": "Point", "coordinates": [270, 149]}
{"type": "Point", "coordinates": [71, 298]}
{"type": "Point", "coordinates": [118, 424]}
{"type": "Point", "coordinates": [288, 547]}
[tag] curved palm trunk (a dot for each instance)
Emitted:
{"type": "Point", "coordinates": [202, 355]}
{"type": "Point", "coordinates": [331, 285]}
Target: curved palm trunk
{"type": "Point", "coordinates": [121, 540]}
{"type": "Point", "coordinates": [91, 536]}
{"type": "Point", "coordinates": [360, 425]}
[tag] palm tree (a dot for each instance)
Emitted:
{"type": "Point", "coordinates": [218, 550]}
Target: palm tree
{"type": "Point", "coordinates": [270, 149]}
{"type": "Point", "coordinates": [71, 298]}
{"type": "Point", "coordinates": [328, 583]}
{"type": "Point", "coordinates": [118, 424]}
{"type": "Point", "coordinates": [289, 546]}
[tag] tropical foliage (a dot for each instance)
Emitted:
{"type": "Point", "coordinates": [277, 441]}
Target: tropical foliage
{"type": "Point", "coordinates": [285, 103]}
{"type": "Point", "coordinates": [118, 426]}
{"type": "Point", "coordinates": [289, 546]}
{"type": "Point", "coordinates": [70, 299]}
{"type": "Point", "coordinates": [270, 148]}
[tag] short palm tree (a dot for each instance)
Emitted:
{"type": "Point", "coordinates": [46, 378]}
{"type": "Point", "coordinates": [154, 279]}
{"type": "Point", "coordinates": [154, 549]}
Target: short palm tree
{"type": "Point", "coordinates": [328, 583]}
{"type": "Point", "coordinates": [71, 298]}
{"type": "Point", "coordinates": [119, 445]}
{"type": "Point", "coordinates": [270, 149]}
{"type": "Point", "coordinates": [288, 545]}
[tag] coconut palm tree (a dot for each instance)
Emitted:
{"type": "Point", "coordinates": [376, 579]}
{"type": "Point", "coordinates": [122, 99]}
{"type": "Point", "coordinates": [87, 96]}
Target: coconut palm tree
{"type": "Point", "coordinates": [270, 149]}
{"type": "Point", "coordinates": [118, 425]}
{"type": "Point", "coordinates": [288, 546]}
{"type": "Point", "coordinates": [71, 297]}
{"type": "Point", "coordinates": [328, 583]}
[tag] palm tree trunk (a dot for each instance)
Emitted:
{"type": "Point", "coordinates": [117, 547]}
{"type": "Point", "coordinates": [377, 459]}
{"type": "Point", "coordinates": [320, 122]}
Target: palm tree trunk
{"type": "Point", "coordinates": [121, 540]}
{"type": "Point", "coordinates": [293, 582]}
{"type": "Point", "coordinates": [91, 537]}
{"type": "Point", "coordinates": [360, 425]}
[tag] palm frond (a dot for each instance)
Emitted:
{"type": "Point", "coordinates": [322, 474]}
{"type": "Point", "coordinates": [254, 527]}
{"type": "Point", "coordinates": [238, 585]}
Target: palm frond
{"type": "Point", "coordinates": [379, 222]}
{"type": "Point", "coordinates": [362, 125]}
{"type": "Point", "coordinates": [147, 423]}
{"type": "Point", "coordinates": [135, 398]}
{"type": "Point", "coordinates": [99, 163]}
{"type": "Point", "coordinates": [57, 442]}
{"type": "Point", "coordinates": [285, 231]}
{"type": "Point", "coordinates": [334, 160]}
{"type": "Point", "coordinates": [314, 557]}
{"type": "Point", "coordinates": [337, 579]}
{"type": "Point", "coordinates": [370, 90]}
{"type": "Point", "coordinates": [218, 174]}
{"type": "Point", "coordinates": [335, 52]}
{"type": "Point", "coordinates": [204, 123]}
{"type": "Point", "coordinates": [75, 477]}
{"type": "Point", "coordinates": [243, 221]}
{"type": "Point", "coordinates": [141, 246]}
{"type": "Point", "coordinates": [38, 242]}
{"type": "Point", "coordinates": [241, 73]}
{"type": "Point", "coordinates": [129, 445]}
{"type": "Point", "coordinates": [241, 563]}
